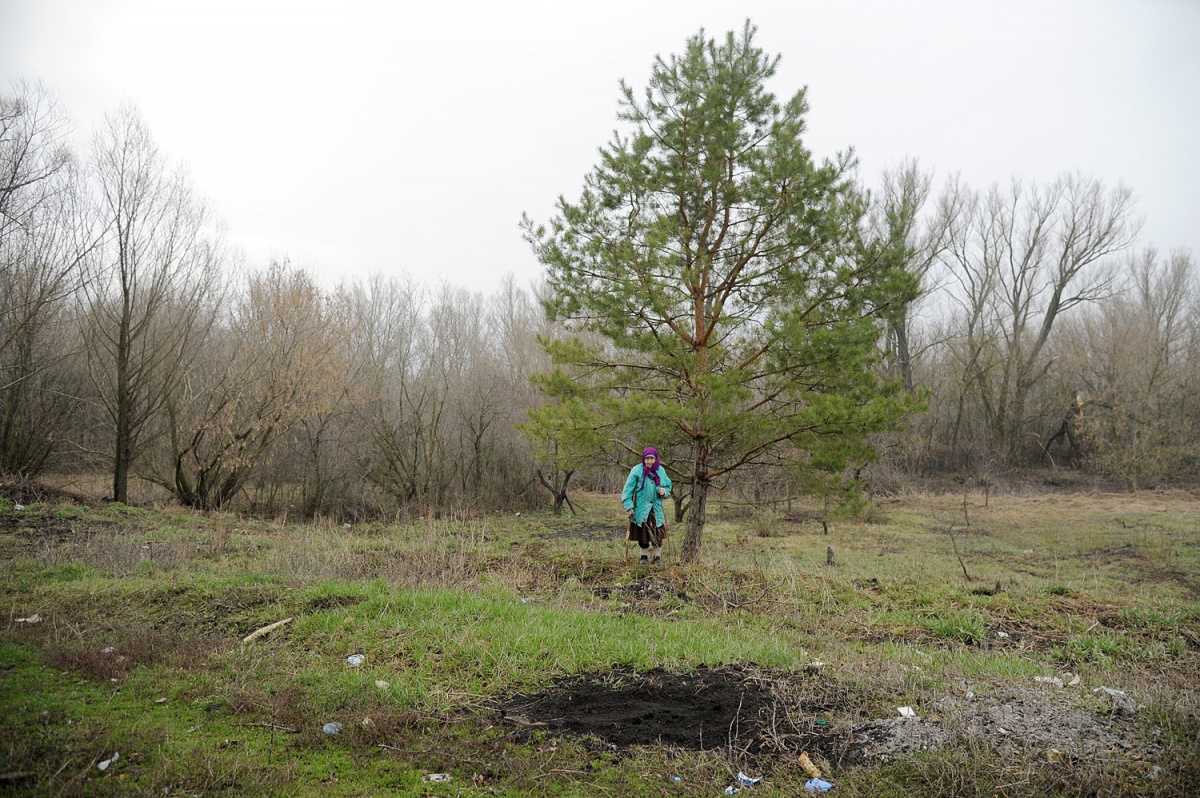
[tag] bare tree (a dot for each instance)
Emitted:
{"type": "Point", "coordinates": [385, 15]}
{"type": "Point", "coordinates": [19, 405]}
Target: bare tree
{"type": "Point", "coordinates": [915, 240]}
{"type": "Point", "coordinates": [44, 237]}
{"type": "Point", "coordinates": [442, 385]}
{"type": "Point", "coordinates": [517, 323]}
{"type": "Point", "coordinates": [272, 368]}
{"type": "Point", "coordinates": [1136, 361]}
{"type": "Point", "coordinates": [1017, 260]}
{"type": "Point", "coordinates": [147, 307]}
{"type": "Point", "coordinates": [389, 327]}
{"type": "Point", "coordinates": [325, 442]}
{"type": "Point", "coordinates": [33, 153]}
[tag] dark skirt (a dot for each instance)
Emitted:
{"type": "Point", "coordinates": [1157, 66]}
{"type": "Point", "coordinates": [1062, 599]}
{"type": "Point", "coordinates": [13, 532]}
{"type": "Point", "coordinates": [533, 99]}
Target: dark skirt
{"type": "Point", "coordinates": [648, 533]}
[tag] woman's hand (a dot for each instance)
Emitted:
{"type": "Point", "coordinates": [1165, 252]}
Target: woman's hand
{"type": "Point", "coordinates": [662, 491]}
{"type": "Point", "coordinates": [629, 512]}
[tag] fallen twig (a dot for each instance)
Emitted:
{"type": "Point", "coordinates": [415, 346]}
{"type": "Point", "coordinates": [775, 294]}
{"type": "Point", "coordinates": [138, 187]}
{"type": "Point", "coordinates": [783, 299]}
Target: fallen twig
{"type": "Point", "coordinates": [520, 721]}
{"type": "Point", "coordinates": [423, 752]}
{"type": "Point", "coordinates": [735, 604]}
{"type": "Point", "coordinates": [409, 750]}
{"type": "Point", "coordinates": [287, 729]}
{"type": "Point", "coordinates": [257, 633]}
{"type": "Point", "coordinates": [549, 773]}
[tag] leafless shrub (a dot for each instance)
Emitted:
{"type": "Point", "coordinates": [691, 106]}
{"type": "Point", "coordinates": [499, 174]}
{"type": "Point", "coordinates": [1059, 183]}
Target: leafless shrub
{"type": "Point", "coordinates": [766, 522]}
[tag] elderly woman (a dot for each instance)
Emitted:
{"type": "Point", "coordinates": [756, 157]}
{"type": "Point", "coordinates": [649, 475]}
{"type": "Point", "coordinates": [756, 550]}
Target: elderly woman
{"type": "Point", "coordinates": [645, 489]}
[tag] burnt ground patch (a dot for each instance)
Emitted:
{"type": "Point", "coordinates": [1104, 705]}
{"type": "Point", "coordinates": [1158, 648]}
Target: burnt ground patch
{"type": "Point", "coordinates": [766, 720]}
{"type": "Point", "coordinates": [30, 527]}
{"type": "Point", "coordinates": [24, 533]}
{"type": "Point", "coordinates": [624, 707]}
{"type": "Point", "coordinates": [753, 716]}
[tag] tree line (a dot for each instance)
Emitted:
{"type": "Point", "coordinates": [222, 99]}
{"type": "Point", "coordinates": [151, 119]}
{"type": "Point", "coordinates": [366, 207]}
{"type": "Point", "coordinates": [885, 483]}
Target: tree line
{"type": "Point", "coordinates": [1045, 334]}
{"type": "Point", "coordinates": [1000, 328]}
{"type": "Point", "coordinates": [131, 340]}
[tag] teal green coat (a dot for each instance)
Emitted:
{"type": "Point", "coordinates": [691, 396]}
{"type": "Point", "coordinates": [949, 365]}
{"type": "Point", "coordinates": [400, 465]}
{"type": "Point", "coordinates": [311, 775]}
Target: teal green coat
{"type": "Point", "coordinates": [641, 497]}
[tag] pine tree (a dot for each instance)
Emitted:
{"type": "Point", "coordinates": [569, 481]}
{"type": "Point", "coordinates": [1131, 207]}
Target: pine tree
{"type": "Point", "coordinates": [724, 304]}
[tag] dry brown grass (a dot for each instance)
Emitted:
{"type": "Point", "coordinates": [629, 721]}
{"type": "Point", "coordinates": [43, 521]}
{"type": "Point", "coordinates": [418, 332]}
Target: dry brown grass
{"type": "Point", "coordinates": [1098, 585]}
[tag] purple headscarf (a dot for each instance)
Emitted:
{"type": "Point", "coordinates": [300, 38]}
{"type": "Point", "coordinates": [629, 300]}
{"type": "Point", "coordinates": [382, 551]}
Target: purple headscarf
{"type": "Point", "coordinates": [648, 451]}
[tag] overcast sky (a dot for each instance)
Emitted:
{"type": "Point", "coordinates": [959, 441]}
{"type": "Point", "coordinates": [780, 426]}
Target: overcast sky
{"type": "Point", "coordinates": [395, 137]}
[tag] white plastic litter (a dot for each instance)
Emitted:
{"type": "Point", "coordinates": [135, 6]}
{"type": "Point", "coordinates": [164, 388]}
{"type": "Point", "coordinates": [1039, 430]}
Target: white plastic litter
{"type": "Point", "coordinates": [332, 728]}
{"type": "Point", "coordinates": [354, 660]}
{"type": "Point", "coordinates": [906, 712]}
{"type": "Point", "coordinates": [1122, 704]}
{"type": "Point", "coordinates": [104, 765]}
{"type": "Point", "coordinates": [818, 785]}
{"type": "Point", "coordinates": [746, 781]}
{"type": "Point", "coordinates": [436, 777]}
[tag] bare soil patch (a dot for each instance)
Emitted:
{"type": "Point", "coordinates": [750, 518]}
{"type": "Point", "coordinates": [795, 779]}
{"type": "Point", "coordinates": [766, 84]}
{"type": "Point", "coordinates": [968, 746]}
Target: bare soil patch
{"type": "Point", "coordinates": [736, 710]}
{"type": "Point", "coordinates": [624, 707]}
{"type": "Point", "coordinates": [767, 719]}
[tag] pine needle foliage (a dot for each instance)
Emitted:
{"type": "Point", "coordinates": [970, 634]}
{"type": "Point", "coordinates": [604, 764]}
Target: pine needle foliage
{"type": "Point", "coordinates": [718, 294]}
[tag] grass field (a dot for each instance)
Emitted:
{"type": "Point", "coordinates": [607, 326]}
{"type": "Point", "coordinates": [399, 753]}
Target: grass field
{"type": "Point", "coordinates": [521, 655]}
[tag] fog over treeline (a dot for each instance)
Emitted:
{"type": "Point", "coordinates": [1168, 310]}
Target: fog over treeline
{"type": "Point", "coordinates": [133, 342]}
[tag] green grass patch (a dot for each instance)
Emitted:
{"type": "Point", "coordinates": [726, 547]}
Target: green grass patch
{"type": "Point", "coordinates": [137, 646]}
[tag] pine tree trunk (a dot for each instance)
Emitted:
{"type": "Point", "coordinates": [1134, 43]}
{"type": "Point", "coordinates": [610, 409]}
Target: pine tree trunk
{"type": "Point", "coordinates": [693, 537]}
